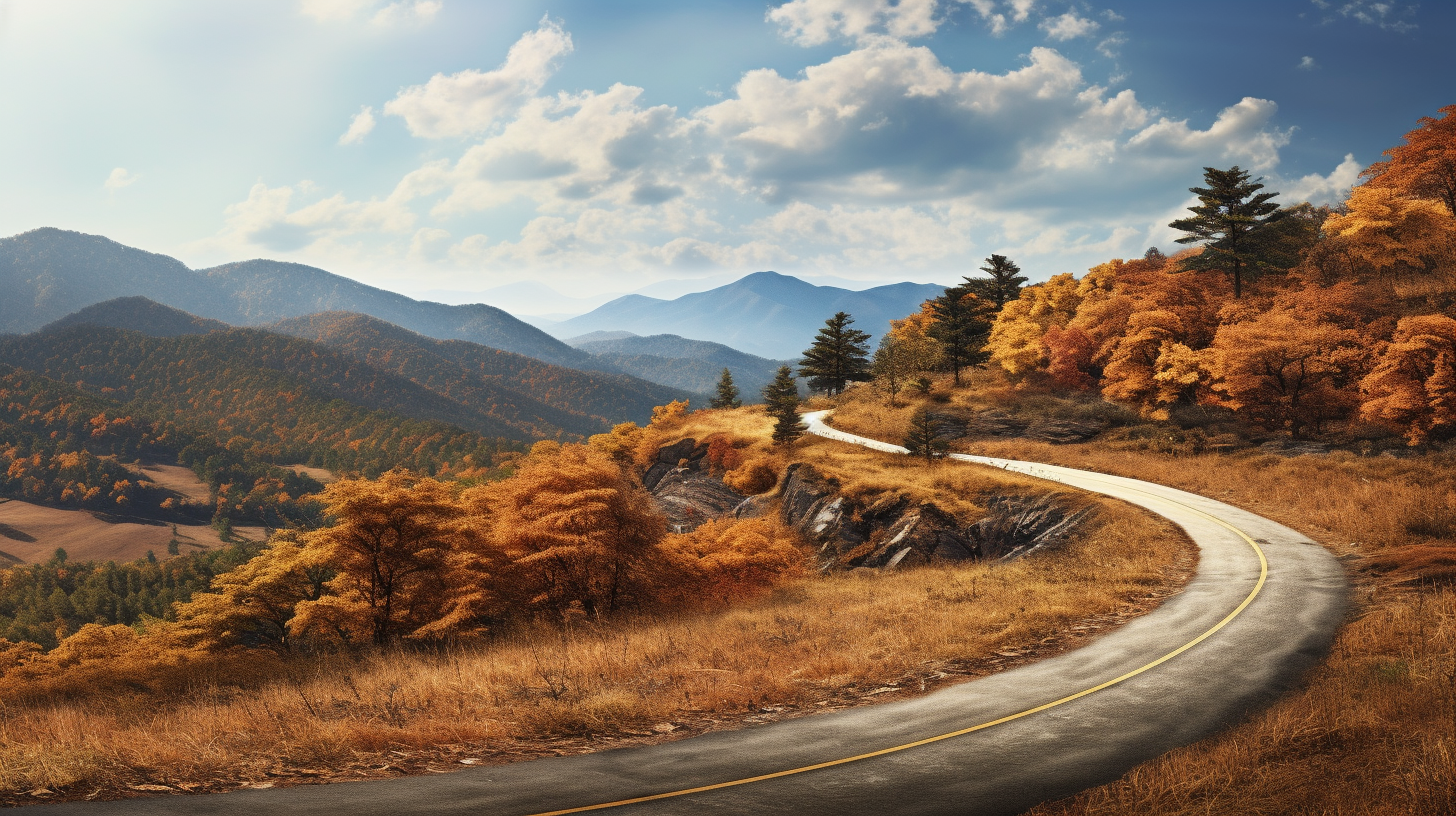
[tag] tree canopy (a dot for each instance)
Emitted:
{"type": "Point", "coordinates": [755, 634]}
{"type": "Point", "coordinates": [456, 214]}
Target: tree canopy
{"type": "Point", "coordinates": [1004, 283]}
{"type": "Point", "coordinates": [1228, 220]}
{"type": "Point", "coordinates": [838, 356]}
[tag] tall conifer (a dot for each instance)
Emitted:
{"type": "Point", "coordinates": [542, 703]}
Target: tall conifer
{"type": "Point", "coordinates": [839, 355]}
{"type": "Point", "coordinates": [727, 395]}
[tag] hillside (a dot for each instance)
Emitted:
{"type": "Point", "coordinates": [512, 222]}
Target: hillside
{"type": "Point", "coordinates": [270, 397]}
{"type": "Point", "coordinates": [693, 365]}
{"type": "Point", "coordinates": [49, 273]}
{"type": "Point", "coordinates": [141, 314]}
{"type": "Point", "coordinates": [766, 314]}
{"type": "Point", "coordinates": [499, 382]}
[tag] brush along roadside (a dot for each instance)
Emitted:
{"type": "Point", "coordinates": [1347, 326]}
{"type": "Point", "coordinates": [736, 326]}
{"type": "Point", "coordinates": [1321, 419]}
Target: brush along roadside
{"type": "Point", "coordinates": [812, 645]}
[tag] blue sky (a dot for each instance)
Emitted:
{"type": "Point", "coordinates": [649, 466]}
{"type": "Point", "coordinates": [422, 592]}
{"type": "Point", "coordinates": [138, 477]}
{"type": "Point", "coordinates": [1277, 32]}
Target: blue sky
{"type": "Point", "coordinates": [598, 147]}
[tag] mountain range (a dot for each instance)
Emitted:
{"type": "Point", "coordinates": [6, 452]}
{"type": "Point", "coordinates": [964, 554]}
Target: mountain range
{"type": "Point", "coordinates": [692, 365]}
{"type": "Point", "coordinates": [766, 314]}
{"type": "Point", "coordinates": [49, 273]}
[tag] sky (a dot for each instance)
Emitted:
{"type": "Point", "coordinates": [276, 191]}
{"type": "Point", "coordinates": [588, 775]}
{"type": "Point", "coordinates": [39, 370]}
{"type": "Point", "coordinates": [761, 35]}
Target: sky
{"type": "Point", "coordinates": [446, 148]}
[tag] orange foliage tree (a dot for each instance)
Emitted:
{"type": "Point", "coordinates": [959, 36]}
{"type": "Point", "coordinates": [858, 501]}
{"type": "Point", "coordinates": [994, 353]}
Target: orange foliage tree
{"type": "Point", "coordinates": [1413, 384]}
{"type": "Point", "coordinates": [1389, 233]}
{"type": "Point", "coordinates": [1425, 166]}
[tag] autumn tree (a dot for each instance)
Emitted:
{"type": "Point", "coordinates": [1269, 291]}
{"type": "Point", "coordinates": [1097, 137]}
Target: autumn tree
{"type": "Point", "coordinates": [781, 397]}
{"type": "Point", "coordinates": [926, 436]}
{"type": "Point", "coordinates": [1425, 166]}
{"type": "Point", "coordinates": [1387, 233]}
{"type": "Point", "coordinates": [577, 530]}
{"type": "Point", "coordinates": [254, 602]}
{"type": "Point", "coordinates": [1003, 283]}
{"type": "Point", "coordinates": [1227, 222]}
{"type": "Point", "coordinates": [894, 365]}
{"type": "Point", "coordinates": [1413, 383]}
{"type": "Point", "coordinates": [730, 559]}
{"type": "Point", "coordinates": [839, 355]}
{"type": "Point", "coordinates": [1016, 339]}
{"type": "Point", "coordinates": [389, 543]}
{"type": "Point", "coordinates": [962, 324]}
{"type": "Point", "coordinates": [727, 392]}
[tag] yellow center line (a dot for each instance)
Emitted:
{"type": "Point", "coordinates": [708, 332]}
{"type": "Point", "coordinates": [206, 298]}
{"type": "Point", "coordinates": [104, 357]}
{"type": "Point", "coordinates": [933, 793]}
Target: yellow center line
{"type": "Point", "coordinates": [1263, 575]}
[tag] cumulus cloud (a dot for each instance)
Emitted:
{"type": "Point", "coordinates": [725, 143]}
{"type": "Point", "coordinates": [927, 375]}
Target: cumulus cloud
{"type": "Point", "coordinates": [1306, 64]}
{"type": "Point", "coordinates": [1111, 47]}
{"type": "Point", "coordinates": [1241, 133]}
{"type": "Point", "coordinates": [879, 158]}
{"type": "Point", "coordinates": [359, 127]}
{"type": "Point", "coordinates": [120, 178]}
{"type": "Point", "coordinates": [1330, 189]}
{"type": "Point", "coordinates": [1068, 26]}
{"type": "Point", "coordinates": [472, 101]}
{"type": "Point", "coordinates": [815, 22]}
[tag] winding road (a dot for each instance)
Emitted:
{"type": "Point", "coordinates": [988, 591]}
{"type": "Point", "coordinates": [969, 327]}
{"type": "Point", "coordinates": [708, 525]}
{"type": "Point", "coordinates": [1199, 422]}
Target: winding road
{"type": "Point", "coordinates": [1261, 610]}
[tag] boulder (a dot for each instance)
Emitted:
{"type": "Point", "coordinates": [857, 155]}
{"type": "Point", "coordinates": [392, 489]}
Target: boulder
{"type": "Point", "coordinates": [690, 497]}
{"type": "Point", "coordinates": [1018, 525]}
{"type": "Point", "coordinates": [685, 453]}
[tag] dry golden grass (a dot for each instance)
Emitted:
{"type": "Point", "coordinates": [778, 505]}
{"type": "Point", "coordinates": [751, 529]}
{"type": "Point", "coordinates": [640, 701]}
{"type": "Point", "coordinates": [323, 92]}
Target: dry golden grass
{"type": "Point", "coordinates": [1374, 729]}
{"type": "Point", "coordinates": [816, 645]}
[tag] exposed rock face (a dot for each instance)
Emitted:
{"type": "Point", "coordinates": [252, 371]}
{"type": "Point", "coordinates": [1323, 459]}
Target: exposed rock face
{"type": "Point", "coordinates": [687, 453]}
{"type": "Point", "coordinates": [999, 424]}
{"type": "Point", "coordinates": [893, 532]}
{"type": "Point", "coordinates": [690, 497]}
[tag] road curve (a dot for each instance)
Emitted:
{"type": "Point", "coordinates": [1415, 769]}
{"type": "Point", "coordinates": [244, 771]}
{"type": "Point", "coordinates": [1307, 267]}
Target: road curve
{"type": "Point", "coordinates": [1261, 609]}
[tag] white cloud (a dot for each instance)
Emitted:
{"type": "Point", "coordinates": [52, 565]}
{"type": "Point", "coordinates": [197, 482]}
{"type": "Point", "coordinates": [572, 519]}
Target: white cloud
{"type": "Point", "coordinates": [472, 101]}
{"type": "Point", "coordinates": [815, 22]}
{"type": "Point", "coordinates": [1241, 133]}
{"type": "Point", "coordinates": [417, 12]}
{"type": "Point", "coordinates": [1330, 189]}
{"type": "Point", "coordinates": [1386, 14]}
{"type": "Point", "coordinates": [1068, 26]}
{"type": "Point", "coordinates": [1111, 47]}
{"type": "Point", "coordinates": [1306, 64]}
{"type": "Point", "coordinates": [359, 127]}
{"type": "Point", "coordinates": [120, 178]}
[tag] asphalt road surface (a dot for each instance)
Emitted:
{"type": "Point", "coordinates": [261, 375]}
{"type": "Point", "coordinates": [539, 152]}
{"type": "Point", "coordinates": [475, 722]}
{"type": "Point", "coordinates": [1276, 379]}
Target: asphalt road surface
{"type": "Point", "coordinates": [1260, 611]}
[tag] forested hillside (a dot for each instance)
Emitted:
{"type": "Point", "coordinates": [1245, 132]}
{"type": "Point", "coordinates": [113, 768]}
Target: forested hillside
{"type": "Point", "coordinates": [140, 314]}
{"type": "Point", "coordinates": [499, 382]}
{"type": "Point", "coordinates": [275, 398]}
{"type": "Point", "coordinates": [692, 365]}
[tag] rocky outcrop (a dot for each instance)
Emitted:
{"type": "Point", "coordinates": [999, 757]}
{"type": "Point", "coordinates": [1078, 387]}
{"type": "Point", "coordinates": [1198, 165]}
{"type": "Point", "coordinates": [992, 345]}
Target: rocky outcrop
{"type": "Point", "coordinates": [894, 532]}
{"type": "Point", "coordinates": [686, 454]}
{"type": "Point", "coordinates": [690, 497]}
{"type": "Point", "coordinates": [1001, 425]}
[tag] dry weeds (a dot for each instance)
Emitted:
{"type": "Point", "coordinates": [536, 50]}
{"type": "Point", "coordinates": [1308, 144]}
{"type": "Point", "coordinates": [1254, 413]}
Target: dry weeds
{"type": "Point", "coordinates": [817, 645]}
{"type": "Point", "coordinates": [1374, 729]}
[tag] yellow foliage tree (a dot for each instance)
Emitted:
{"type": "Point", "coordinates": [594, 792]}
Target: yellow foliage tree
{"type": "Point", "coordinates": [733, 559]}
{"type": "Point", "coordinates": [1390, 233]}
{"type": "Point", "coordinates": [389, 544]}
{"type": "Point", "coordinates": [255, 602]}
{"type": "Point", "coordinates": [1016, 336]}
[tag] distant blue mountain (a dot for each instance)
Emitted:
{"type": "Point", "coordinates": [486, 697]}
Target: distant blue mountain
{"type": "Point", "coordinates": [766, 314]}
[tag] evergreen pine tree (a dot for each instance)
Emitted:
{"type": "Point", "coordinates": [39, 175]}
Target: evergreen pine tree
{"type": "Point", "coordinates": [839, 355]}
{"type": "Point", "coordinates": [782, 399]}
{"type": "Point", "coordinates": [962, 324]}
{"type": "Point", "coordinates": [727, 396]}
{"type": "Point", "coordinates": [1228, 222]}
{"type": "Point", "coordinates": [1003, 286]}
{"type": "Point", "coordinates": [926, 437]}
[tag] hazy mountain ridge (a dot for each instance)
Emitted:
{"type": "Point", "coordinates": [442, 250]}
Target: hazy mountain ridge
{"type": "Point", "coordinates": [50, 273]}
{"type": "Point", "coordinates": [581, 402]}
{"type": "Point", "coordinates": [767, 314]}
{"type": "Point", "coordinates": [142, 314]}
{"type": "Point", "coordinates": [694, 365]}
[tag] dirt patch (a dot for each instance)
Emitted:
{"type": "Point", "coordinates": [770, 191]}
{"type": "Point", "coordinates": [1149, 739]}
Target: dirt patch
{"type": "Point", "coordinates": [32, 533]}
{"type": "Point", "coordinates": [178, 479]}
{"type": "Point", "coordinates": [319, 474]}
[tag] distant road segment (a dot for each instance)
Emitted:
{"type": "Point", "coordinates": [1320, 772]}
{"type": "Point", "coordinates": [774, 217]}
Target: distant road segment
{"type": "Point", "coordinates": [1261, 610]}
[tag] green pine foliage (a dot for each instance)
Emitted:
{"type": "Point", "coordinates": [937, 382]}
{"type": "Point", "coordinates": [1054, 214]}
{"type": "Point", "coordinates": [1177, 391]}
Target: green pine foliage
{"type": "Point", "coordinates": [926, 437]}
{"type": "Point", "coordinates": [41, 603]}
{"type": "Point", "coordinates": [838, 356]}
{"type": "Point", "coordinates": [727, 393]}
{"type": "Point", "coordinates": [1229, 220]}
{"type": "Point", "coordinates": [1003, 284]}
{"type": "Point", "coordinates": [781, 397]}
{"type": "Point", "coordinates": [962, 325]}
